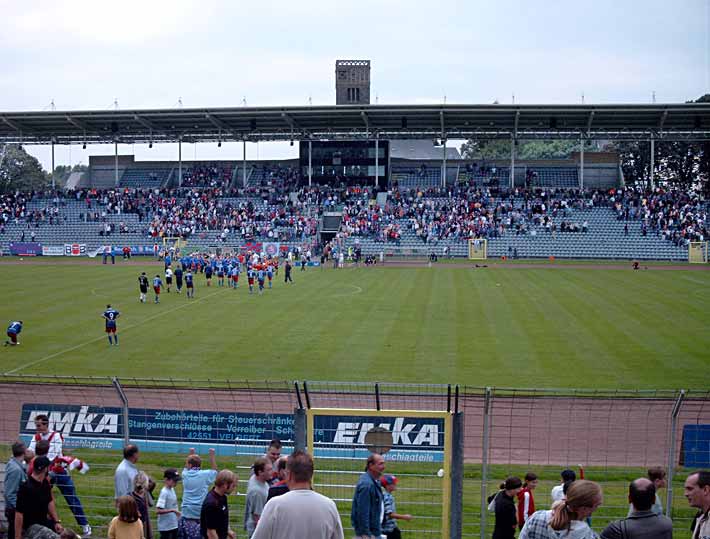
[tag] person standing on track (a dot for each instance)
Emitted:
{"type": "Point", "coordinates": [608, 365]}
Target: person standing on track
{"type": "Point", "coordinates": [110, 315]}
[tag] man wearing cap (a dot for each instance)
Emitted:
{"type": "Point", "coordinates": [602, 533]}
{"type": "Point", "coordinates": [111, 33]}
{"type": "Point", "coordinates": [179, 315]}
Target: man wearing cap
{"type": "Point", "coordinates": [368, 502]}
{"type": "Point", "coordinates": [35, 503]}
{"type": "Point", "coordinates": [300, 512]}
{"type": "Point", "coordinates": [389, 524]}
{"type": "Point", "coordinates": [167, 506]}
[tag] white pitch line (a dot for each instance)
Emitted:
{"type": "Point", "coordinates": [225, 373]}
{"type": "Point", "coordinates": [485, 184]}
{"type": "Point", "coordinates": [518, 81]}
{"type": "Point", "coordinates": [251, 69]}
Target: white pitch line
{"type": "Point", "coordinates": [93, 293]}
{"type": "Point", "coordinates": [358, 290]}
{"type": "Point", "coordinates": [692, 280]}
{"type": "Point", "coordinates": [153, 317]}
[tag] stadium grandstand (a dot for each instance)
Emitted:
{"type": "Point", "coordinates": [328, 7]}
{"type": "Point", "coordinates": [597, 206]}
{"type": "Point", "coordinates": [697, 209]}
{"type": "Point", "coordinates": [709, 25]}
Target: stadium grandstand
{"type": "Point", "coordinates": [371, 177]}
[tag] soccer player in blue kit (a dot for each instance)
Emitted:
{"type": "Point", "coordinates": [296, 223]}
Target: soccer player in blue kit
{"type": "Point", "coordinates": [189, 284]}
{"type": "Point", "coordinates": [270, 272]}
{"type": "Point", "coordinates": [250, 279]}
{"type": "Point", "coordinates": [220, 275]}
{"type": "Point", "coordinates": [157, 283]}
{"type": "Point", "coordinates": [13, 330]}
{"type": "Point", "coordinates": [110, 315]}
{"type": "Point", "coordinates": [208, 274]}
{"type": "Point", "coordinates": [260, 276]}
{"type": "Point", "coordinates": [178, 279]}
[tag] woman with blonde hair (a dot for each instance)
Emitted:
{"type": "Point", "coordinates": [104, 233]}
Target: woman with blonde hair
{"type": "Point", "coordinates": [566, 519]}
{"type": "Point", "coordinates": [127, 525]}
{"type": "Point", "coordinates": [141, 495]}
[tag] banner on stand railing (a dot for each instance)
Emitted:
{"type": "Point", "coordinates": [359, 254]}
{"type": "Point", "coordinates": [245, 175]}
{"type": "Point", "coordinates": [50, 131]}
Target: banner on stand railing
{"type": "Point", "coordinates": [74, 249]}
{"type": "Point", "coordinates": [162, 430]}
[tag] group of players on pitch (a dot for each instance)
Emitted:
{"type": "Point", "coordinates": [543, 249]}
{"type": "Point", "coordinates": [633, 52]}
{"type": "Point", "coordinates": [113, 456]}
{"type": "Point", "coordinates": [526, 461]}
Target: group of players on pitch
{"type": "Point", "coordinates": [260, 269]}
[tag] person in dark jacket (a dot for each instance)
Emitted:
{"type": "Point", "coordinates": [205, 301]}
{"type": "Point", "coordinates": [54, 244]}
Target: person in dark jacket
{"type": "Point", "coordinates": [643, 522]}
{"type": "Point", "coordinates": [368, 500]}
{"type": "Point", "coordinates": [505, 510]}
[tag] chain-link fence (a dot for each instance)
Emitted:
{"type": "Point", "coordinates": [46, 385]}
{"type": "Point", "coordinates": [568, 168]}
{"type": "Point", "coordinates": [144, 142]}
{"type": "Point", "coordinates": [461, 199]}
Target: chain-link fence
{"type": "Point", "coordinates": [612, 437]}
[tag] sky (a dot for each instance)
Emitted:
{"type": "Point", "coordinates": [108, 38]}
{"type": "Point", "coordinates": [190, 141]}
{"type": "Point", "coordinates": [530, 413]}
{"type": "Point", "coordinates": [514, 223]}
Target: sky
{"type": "Point", "coordinates": [81, 54]}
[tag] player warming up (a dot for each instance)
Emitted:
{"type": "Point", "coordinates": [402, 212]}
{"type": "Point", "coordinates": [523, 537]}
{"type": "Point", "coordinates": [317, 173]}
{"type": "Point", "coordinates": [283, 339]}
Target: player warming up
{"type": "Point", "coordinates": [13, 330]}
{"type": "Point", "coordinates": [110, 315]}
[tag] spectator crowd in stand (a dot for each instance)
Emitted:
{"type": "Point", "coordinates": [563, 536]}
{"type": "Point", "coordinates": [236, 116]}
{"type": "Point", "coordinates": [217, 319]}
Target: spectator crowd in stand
{"type": "Point", "coordinates": [280, 210]}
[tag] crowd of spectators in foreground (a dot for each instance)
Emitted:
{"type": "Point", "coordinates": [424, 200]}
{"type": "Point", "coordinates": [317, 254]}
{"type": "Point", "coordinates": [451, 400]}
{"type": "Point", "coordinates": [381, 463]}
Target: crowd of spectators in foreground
{"type": "Point", "coordinates": [281, 501]}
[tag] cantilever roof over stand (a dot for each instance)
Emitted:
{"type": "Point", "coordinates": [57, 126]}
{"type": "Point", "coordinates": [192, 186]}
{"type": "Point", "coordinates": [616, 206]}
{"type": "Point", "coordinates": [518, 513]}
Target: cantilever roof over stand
{"type": "Point", "coordinates": [624, 122]}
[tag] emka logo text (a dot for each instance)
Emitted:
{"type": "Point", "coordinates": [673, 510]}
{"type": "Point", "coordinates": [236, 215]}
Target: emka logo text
{"type": "Point", "coordinates": [403, 433]}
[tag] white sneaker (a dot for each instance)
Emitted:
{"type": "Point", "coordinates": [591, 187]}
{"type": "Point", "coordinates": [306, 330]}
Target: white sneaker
{"type": "Point", "coordinates": [86, 531]}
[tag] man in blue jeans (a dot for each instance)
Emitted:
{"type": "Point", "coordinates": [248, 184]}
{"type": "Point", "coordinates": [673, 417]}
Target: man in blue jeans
{"type": "Point", "coordinates": [58, 471]}
{"type": "Point", "coordinates": [368, 500]}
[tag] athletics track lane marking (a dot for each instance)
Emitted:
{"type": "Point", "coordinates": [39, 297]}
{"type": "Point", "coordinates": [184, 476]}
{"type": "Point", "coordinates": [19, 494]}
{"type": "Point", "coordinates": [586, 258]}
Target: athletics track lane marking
{"type": "Point", "coordinates": [97, 339]}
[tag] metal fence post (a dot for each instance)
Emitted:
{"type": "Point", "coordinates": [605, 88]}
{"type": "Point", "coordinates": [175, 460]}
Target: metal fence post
{"type": "Point", "coordinates": [124, 401]}
{"type": "Point", "coordinates": [484, 459]}
{"type": "Point", "coordinates": [671, 452]}
{"type": "Point", "coordinates": [456, 528]}
{"type": "Point", "coordinates": [299, 429]}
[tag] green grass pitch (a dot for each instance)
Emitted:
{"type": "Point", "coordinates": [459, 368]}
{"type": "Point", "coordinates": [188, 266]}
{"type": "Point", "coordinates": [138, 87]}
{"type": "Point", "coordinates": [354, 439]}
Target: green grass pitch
{"type": "Point", "coordinates": [519, 327]}
{"type": "Point", "coordinates": [588, 328]}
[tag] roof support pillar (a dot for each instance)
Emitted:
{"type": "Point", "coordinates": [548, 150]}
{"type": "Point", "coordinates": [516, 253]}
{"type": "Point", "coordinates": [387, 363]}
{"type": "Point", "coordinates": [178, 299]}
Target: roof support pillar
{"type": "Point", "coordinates": [653, 163]}
{"type": "Point", "coordinates": [115, 162]}
{"type": "Point", "coordinates": [581, 161]}
{"type": "Point", "coordinates": [180, 162]}
{"type": "Point", "coordinates": [244, 164]}
{"type": "Point", "coordinates": [310, 162]}
{"type": "Point", "coordinates": [513, 140]}
{"type": "Point", "coordinates": [443, 164]}
{"type": "Point", "coordinates": [54, 185]}
{"type": "Point", "coordinates": [377, 161]}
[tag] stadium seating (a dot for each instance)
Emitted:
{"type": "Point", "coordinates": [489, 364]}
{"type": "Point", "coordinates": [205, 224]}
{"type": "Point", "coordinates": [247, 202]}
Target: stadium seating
{"type": "Point", "coordinates": [395, 225]}
{"type": "Point", "coordinates": [558, 177]}
{"type": "Point", "coordinates": [412, 177]}
{"type": "Point", "coordinates": [151, 178]}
